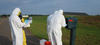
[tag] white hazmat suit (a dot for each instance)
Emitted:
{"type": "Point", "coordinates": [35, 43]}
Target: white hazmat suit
{"type": "Point", "coordinates": [16, 27]}
{"type": "Point", "coordinates": [54, 24]}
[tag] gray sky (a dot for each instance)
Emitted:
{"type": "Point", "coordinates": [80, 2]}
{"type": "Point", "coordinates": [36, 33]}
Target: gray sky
{"type": "Point", "coordinates": [49, 6]}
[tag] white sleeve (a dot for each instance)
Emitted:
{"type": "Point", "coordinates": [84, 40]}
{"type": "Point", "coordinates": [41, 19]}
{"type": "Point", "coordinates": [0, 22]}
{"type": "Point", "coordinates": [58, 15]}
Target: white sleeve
{"type": "Point", "coordinates": [18, 22]}
{"type": "Point", "coordinates": [63, 22]}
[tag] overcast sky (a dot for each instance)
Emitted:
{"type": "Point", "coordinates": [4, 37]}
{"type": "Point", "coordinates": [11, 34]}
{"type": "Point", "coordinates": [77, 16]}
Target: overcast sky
{"type": "Point", "coordinates": [49, 6]}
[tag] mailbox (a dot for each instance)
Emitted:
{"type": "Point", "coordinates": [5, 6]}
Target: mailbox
{"type": "Point", "coordinates": [71, 25]}
{"type": "Point", "coordinates": [71, 22]}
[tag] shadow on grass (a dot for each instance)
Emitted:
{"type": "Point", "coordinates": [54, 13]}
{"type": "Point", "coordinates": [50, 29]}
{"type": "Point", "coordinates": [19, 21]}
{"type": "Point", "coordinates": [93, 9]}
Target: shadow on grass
{"type": "Point", "coordinates": [32, 40]}
{"type": "Point", "coordinates": [5, 41]}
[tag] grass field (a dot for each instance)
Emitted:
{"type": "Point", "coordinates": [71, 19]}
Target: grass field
{"type": "Point", "coordinates": [87, 33]}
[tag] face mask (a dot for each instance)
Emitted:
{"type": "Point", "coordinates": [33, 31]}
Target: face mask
{"type": "Point", "coordinates": [20, 16]}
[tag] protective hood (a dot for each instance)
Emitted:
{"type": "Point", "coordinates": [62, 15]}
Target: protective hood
{"type": "Point", "coordinates": [16, 12]}
{"type": "Point", "coordinates": [60, 12]}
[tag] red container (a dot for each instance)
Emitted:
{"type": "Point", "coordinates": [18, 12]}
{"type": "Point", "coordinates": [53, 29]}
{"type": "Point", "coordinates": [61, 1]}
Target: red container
{"type": "Point", "coordinates": [47, 43]}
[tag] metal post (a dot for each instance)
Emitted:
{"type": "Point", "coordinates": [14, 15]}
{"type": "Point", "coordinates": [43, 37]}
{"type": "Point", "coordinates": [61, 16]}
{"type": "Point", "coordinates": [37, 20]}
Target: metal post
{"type": "Point", "coordinates": [72, 36]}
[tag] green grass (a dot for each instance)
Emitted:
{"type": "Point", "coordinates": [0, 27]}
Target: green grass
{"type": "Point", "coordinates": [87, 33]}
{"type": "Point", "coordinates": [38, 26]}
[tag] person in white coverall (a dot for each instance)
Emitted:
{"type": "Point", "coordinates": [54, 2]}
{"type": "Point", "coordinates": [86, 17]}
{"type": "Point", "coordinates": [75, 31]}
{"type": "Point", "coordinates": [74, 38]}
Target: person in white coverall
{"type": "Point", "coordinates": [54, 24]}
{"type": "Point", "coordinates": [16, 27]}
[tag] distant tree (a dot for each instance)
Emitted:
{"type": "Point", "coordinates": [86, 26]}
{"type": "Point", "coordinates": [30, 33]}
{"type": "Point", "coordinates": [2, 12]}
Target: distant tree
{"type": "Point", "coordinates": [4, 15]}
{"type": "Point", "coordinates": [76, 13]}
{"type": "Point", "coordinates": [97, 15]}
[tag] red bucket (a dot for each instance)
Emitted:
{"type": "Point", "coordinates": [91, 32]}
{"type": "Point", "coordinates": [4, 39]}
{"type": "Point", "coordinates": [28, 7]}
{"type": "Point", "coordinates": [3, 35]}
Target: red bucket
{"type": "Point", "coordinates": [47, 43]}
